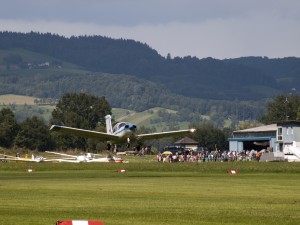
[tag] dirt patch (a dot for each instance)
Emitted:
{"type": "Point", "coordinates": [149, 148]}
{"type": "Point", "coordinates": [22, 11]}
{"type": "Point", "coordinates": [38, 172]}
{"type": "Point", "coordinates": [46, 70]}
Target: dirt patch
{"type": "Point", "coordinates": [16, 99]}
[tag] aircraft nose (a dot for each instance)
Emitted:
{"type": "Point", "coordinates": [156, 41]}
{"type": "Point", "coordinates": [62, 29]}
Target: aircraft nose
{"type": "Point", "coordinates": [131, 127]}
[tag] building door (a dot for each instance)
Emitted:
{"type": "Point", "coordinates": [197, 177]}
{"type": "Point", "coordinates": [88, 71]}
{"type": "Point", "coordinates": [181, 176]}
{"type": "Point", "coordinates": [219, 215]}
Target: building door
{"type": "Point", "coordinates": [280, 147]}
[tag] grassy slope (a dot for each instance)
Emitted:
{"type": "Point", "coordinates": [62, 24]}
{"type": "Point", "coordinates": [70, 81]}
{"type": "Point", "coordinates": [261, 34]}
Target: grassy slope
{"type": "Point", "coordinates": [151, 193]}
{"type": "Point", "coordinates": [139, 118]}
{"type": "Point", "coordinates": [19, 101]}
{"type": "Point", "coordinates": [144, 118]}
{"type": "Point", "coordinates": [29, 56]}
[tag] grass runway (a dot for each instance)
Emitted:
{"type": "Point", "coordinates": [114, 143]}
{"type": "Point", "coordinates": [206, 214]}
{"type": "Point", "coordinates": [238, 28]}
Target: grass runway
{"type": "Point", "coordinates": [150, 193]}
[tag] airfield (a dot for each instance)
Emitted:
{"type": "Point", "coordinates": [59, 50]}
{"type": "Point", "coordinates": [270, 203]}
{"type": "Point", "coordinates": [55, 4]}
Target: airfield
{"type": "Point", "coordinates": [150, 192]}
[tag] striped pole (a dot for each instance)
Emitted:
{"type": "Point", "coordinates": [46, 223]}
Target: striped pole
{"type": "Point", "coordinates": [79, 222]}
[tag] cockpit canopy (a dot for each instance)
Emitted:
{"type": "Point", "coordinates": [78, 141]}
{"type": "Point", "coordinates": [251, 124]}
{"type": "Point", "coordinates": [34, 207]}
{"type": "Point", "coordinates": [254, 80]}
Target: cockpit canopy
{"type": "Point", "coordinates": [120, 125]}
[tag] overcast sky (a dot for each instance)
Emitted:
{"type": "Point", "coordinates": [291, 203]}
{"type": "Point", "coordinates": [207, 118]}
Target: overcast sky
{"type": "Point", "coordinates": [202, 28]}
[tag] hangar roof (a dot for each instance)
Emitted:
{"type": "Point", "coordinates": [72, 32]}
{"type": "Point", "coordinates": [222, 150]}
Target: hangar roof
{"type": "Point", "coordinates": [186, 140]}
{"type": "Point", "coordinates": [265, 128]}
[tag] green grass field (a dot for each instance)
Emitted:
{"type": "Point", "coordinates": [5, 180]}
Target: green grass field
{"type": "Point", "coordinates": [150, 193]}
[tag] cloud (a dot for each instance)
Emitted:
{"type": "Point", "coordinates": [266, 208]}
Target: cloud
{"type": "Point", "coordinates": [139, 12]}
{"type": "Point", "coordinates": [202, 28]}
{"type": "Point", "coordinates": [214, 38]}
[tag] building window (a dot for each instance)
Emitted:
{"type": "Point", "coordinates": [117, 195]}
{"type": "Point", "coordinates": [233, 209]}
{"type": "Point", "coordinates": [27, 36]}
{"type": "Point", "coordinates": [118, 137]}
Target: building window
{"type": "Point", "coordinates": [279, 134]}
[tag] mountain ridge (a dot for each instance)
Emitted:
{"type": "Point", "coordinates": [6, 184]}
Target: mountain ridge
{"type": "Point", "coordinates": [205, 78]}
{"type": "Point", "coordinates": [47, 66]}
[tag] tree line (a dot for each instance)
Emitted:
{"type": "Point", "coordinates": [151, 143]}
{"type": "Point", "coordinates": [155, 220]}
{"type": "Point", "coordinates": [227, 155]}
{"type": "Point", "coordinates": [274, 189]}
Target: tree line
{"type": "Point", "coordinates": [88, 111]}
{"type": "Point", "coordinates": [77, 110]}
{"type": "Point", "coordinates": [81, 111]}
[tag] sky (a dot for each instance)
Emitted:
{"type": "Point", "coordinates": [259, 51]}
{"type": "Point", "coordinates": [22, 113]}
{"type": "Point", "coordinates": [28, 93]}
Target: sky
{"type": "Point", "coordinates": [202, 28]}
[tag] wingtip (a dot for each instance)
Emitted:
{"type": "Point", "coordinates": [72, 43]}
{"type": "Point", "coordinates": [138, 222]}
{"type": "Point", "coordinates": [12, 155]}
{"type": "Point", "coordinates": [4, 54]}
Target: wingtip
{"type": "Point", "coordinates": [54, 127]}
{"type": "Point", "coordinates": [192, 130]}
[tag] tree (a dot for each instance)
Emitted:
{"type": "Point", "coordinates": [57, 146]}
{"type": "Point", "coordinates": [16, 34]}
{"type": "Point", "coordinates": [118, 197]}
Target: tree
{"type": "Point", "coordinates": [34, 135]}
{"type": "Point", "coordinates": [9, 127]}
{"type": "Point", "coordinates": [208, 135]}
{"type": "Point", "coordinates": [282, 107]}
{"type": "Point", "coordinates": [247, 124]}
{"type": "Point", "coordinates": [81, 111]}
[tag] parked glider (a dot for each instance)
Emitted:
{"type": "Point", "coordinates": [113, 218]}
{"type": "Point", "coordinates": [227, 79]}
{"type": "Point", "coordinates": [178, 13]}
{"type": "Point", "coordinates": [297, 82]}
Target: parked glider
{"type": "Point", "coordinates": [88, 157]}
{"type": "Point", "coordinates": [122, 132]}
{"type": "Point", "coordinates": [5, 157]}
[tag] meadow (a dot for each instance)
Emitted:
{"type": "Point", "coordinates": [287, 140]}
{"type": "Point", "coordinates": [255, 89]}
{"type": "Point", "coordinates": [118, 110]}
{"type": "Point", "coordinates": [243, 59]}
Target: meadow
{"type": "Point", "coordinates": [150, 193]}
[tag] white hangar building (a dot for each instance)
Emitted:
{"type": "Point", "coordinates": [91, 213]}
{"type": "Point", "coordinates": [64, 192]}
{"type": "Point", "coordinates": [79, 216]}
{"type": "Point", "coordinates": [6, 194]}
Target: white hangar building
{"type": "Point", "coordinates": [282, 139]}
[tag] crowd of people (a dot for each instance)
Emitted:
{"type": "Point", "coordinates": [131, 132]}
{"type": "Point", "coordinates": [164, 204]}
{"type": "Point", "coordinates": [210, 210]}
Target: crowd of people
{"type": "Point", "coordinates": [209, 156]}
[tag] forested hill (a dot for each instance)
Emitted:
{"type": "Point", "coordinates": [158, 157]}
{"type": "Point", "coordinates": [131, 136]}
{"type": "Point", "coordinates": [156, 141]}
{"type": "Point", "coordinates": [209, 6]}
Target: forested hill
{"type": "Point", "coordinates": [248, 78]}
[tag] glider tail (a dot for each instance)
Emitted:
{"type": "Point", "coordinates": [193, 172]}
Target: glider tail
{"type": "Point", "coordinates": [108, 124]}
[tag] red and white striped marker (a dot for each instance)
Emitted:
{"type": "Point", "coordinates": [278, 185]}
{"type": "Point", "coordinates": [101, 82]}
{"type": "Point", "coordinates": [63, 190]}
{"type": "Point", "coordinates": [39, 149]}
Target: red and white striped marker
{"type": "Point", "coordinates": [122, 171]}
{"type": "Point", "coordinates": [232, 171]}
{"type": "Point", "coordinates": [29, 170]}
{"type": "Point", "coordinates": [79, 222]}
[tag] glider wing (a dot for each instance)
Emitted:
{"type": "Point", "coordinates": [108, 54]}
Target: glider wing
{"type": "Point", "coordinates": [85, 133]}
{"type": "Point", "coordinates": [158, 135]}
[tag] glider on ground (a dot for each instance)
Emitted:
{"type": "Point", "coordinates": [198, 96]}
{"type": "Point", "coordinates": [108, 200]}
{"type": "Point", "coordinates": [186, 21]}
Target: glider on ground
{"type": "Point", "coordinates": [88, 157]}
{"type": "Point", "coordinates": [5, 157]}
